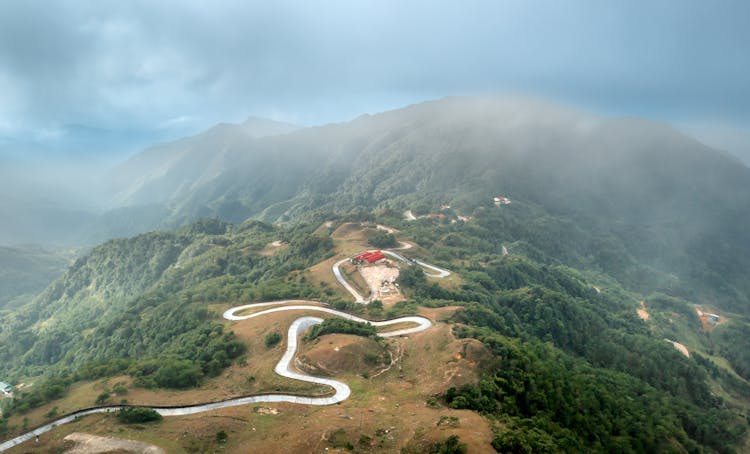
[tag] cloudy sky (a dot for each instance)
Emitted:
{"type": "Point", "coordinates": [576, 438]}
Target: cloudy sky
{"type": "Point", "coordinates": [106, 75]}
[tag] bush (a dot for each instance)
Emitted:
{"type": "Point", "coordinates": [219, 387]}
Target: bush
{"type": "Point", "coordinates": [178, 374]}
{"type": "Point", "coordinates": [102, 398]}
{"type": "Point", "coordinates": [381, 239]}
{"type": "Point", "coordinates": [120, 389]}
{"type": "Point", "coordinates": [272, 339]}
{"type": "Point", "coordinates": [134, 415]}
{"type": "Point", "coordinates": [449, 446]}
{"type": "Point", "coordinates": [342, 326]}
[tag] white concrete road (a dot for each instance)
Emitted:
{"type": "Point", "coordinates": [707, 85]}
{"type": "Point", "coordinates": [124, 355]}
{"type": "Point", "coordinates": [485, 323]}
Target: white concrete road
{"type": "Point", "coordinates": [358, 298]}
{"type": "Point", "coordinates": [283, 367]}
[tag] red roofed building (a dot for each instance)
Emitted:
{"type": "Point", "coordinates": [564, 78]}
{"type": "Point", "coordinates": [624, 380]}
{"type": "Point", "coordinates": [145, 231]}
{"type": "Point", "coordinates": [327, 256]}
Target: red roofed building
{"type": "Point", "coordinates": [369, 257]}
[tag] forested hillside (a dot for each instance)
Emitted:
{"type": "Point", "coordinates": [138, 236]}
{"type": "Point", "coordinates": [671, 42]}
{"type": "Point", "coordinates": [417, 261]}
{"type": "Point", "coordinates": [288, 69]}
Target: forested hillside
{"type": "Point", "coordinates": [663, 200]}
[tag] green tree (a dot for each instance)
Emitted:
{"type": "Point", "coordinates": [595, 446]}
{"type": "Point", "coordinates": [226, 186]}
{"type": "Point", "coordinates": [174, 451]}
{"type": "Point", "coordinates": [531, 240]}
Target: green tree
{"type": "Point", "coordinates": [272, 339]}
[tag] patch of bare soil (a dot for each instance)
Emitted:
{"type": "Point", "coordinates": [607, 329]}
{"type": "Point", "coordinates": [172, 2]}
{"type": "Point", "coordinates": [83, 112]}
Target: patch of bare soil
{"type": "Point", "coordinates": [381, 280]}
{"type": "Point", "coordinates": [272, 248]}
{"type": "Point", "coordinates": [92, 444]}
{"type": "Point", "coordinates": [680, 348]}
{"type": "Point", "coordinates": [642, 312]}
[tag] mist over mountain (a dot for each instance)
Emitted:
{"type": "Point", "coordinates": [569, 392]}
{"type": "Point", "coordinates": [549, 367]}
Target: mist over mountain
{"type": "Point", "coordinates": [604, 212]}
{"type": "Point", "coordinates": [672, 201]}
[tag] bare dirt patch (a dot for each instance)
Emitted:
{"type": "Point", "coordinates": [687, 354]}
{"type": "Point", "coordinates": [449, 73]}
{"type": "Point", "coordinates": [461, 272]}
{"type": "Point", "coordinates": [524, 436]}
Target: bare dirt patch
{"type": "Point", "coordinates": [642, 312]}
{"type": "Point", "coordinates": [380, 279]}
{"type": "Point", "coordinates": [273, 248]}
{"type": "Point", "coordinates": [93, 444]}
{"type": "Point", "coordinates": [680, 348]}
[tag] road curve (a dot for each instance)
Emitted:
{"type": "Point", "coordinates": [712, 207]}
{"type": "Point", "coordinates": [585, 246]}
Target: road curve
{"type": "Point", "coordinates": [358, 298]}
{"type": "Point", "coordinates": [421, 322]}
{"type": "Point", "coordinates": [440, 271]}
{"type": "Point", "coordinates": [283, 367]}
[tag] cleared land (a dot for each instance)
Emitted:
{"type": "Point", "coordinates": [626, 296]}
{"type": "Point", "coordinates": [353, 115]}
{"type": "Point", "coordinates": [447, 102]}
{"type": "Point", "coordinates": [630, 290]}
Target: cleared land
{"type": "Point", "coordinates": [92, 444]}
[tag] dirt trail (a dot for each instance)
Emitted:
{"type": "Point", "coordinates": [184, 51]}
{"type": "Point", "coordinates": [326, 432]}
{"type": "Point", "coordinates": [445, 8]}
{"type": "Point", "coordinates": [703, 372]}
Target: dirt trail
{"type": "Point", "coordinates": [92, 444]}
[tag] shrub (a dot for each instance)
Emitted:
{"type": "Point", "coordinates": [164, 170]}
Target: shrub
{"type": "Point", "coordinates": [272, 339]}
{"type": "Point", "coordinates": [134, 415]}
{"type": "Point", "coordinates": [102, 398]}
{"type": "Point", "coordinates": [342, 326]}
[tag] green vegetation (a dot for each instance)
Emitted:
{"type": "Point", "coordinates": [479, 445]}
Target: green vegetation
{"type": "Point", "coordinates": [572, 369]}
{"type": "Point", "coordinates": [382, 239]}
{"type": "Point", "coordinates": [138, 306]}
{"type": "Point", "coordinates": [450, 445]}
{"type": "Point", "coordinates": [272, 339]}
{"type": "Point", "coordinates": [730, 340]}
{"type": "Point", "coordinates": [137, 415]}
{"type": "Point", "coordinates": [341, 326]}
{"type": "Point", "coordinates": [339, 439]}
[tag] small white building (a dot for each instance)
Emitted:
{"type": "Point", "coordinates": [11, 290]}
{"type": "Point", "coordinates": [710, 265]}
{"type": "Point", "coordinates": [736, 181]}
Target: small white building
{"type": "Point", "coordinates": [6, 390]}
{"type": "Point", "coordinates": [500, 200]}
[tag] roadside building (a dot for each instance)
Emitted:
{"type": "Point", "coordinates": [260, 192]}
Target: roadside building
{"type": "Point", "coordinates": [6, 389]}
{"type": "Point", "coordinates": [368, 257]}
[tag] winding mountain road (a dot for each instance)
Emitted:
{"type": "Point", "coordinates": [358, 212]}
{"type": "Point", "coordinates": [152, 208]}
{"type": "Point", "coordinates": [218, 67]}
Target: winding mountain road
{"type": "Point", "coordinates": [283, 367]}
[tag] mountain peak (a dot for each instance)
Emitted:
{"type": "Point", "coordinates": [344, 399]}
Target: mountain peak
{"type": "Point", "coordinates": [257, 127]}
